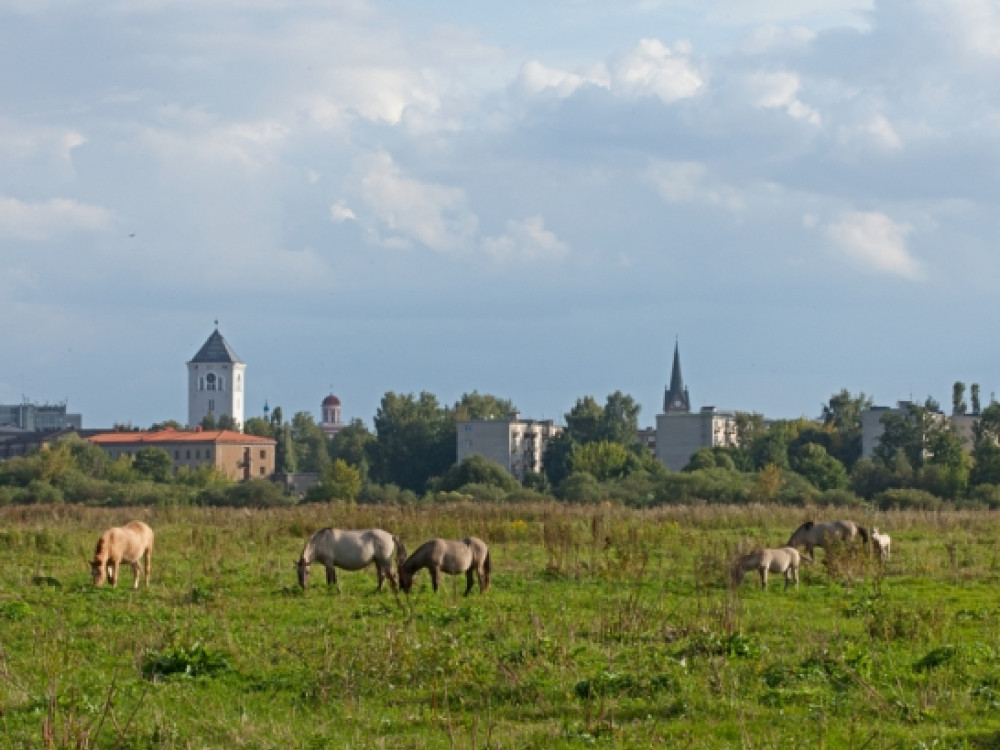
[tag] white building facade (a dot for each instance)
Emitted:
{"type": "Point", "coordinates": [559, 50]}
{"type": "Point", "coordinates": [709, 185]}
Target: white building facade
{"type": "Point", "coordinates": [516, 444]}
{"type": "Point", "coordinates": [216, 383]}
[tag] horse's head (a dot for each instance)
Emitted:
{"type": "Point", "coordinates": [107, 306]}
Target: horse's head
{"type": "Point", "coordinates": [797, 535]}
{"type": "Point", "coordinates": [302, 569]}
{"type": "Point", "coordinates": [99, 571]}
{"type": "Point", "coordinates": [405, 579]}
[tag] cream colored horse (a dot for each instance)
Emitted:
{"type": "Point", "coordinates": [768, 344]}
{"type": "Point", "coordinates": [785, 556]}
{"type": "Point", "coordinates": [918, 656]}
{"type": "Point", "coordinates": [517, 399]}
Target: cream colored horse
{"type": "Point", "coordinates": [881, 543]}
{"type": "Point", "coordinates": [785, 560]}
{"type": "Point", "coordinates": [452, 556]}
{"type": "Point", "coordinates": [351, 550]}
{"type": "Point", "coordinates": [812, 534]}
{"type": "Point", "coordinates": [128, 544]}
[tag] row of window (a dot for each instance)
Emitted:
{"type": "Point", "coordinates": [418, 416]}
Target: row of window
{"type": "Point", "coordinates": [213, 382]}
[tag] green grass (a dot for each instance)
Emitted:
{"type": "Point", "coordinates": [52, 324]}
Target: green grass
{"type": "Point", "coordinates": [604, 628]}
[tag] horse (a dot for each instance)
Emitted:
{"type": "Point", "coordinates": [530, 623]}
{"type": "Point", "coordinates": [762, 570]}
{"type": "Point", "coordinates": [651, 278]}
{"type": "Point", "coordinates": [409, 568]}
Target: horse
{"type": "Point", "coordinates": [350, 550]}
{"type": "Point", "coordinates": [452, 556]}
{"type": "Point", "coordinates": [881, 544]}
{"type": "Point", "coordinates": [785, 560]}
{"type": "Point", "coordinates": [812, 534]}
{"type": "Point", "coordinates": [120, 544]}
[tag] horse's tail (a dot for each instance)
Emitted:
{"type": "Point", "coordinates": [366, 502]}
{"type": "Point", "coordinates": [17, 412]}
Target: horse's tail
{"type": "Point", "coordinates": [400, 550]}
{"type": "Point", "coordinates": [487, 570]}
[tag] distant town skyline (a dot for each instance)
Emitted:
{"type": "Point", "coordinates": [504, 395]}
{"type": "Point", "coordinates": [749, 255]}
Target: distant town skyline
{"type": "Point", "coordinates": [531, 200]}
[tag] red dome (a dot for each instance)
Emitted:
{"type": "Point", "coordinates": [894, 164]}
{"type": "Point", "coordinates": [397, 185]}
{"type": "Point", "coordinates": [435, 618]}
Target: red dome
{"type": "Point", "coordinates": [331, 400]}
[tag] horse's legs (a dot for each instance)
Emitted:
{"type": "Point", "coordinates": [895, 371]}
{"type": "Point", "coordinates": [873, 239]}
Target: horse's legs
{"type": "Point", "coordinates": [113, 572]}
{"type": "Point", "coordinates": [331, 575]}
{"type": "Point", "coordinates": [136, 573]}
{"type": "Point", "coordinates": [763, 577]}
{"type": "Point", "coordinates": [481, 575]}
{"type": "Point", "coordinates": [149, 564]}
{"type": "Point", "coordinates": [469, 578]}
{"type": "Point", "coordinates": [380, 574]}
{"type": "Point", "coordinates": [435, 572]}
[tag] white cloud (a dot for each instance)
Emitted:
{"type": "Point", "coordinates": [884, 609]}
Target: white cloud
{"type": "Point", "coordinates": [40, 221]}
{"type": "Point", "coordinates": [414, 210]}
{"type": "Point", "coordinates": [526, 240]}
{"type": "Point", "coordinates": [780, 91]}
{"type": "Point", "coordinates": [690, 182]}
{"type": "Point", "coordinates": [340, 211]}
{"type": "Point", "coordinates": [876, 242]}
{"type": "Point", "coordinates": [651, 68]}
{"type": "Point", "coordinates": [882, 131]}
{"type": "Point", "coordinates": [535, 78]}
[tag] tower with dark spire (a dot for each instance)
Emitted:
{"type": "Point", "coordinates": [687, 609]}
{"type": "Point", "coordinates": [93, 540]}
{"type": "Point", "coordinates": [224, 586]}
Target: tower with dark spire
{"type": "Point", "coordinates": [676, 398]}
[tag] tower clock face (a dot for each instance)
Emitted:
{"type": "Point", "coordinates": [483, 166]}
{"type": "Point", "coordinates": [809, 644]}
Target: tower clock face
{"type": "Point", "coordinates": [678, 402]}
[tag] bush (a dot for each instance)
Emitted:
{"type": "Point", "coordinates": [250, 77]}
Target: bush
{"type": "Point", "coordinates": [907, 499]}
{"type": "Point", "coordinates": [477, 470]}
{"type": "Point", "coordinates": [580, 487]}
{"type": "Point", "coordinates": [840, 499]}
{"type": "Point", "coordinates": [256, 493]}
{"type": "Point", "coordinates": [386, 494]}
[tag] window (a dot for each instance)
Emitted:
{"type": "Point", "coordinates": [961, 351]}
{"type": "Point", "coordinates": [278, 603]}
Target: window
{"type": "Point", "coordinates": [262, 471]}
{"type": "Point", "coordinates": [177, 455]}
{"type": "Point", "coordinates": [210, 379]}
{"type": "Point", "coordinates": [208, 453]}
{"type": "Point", "coordinates": [201, 383]}
{"type": "Point", "coordinates": [197, 454]}
{"type": "Point", "coordinates": [263, 455]}
{"type": "Point", "coordinates": [222, 384]}
{"type": "Point", "coordinates": [189, 455]}
{"type": "Point", "coordinates": [211, 405]}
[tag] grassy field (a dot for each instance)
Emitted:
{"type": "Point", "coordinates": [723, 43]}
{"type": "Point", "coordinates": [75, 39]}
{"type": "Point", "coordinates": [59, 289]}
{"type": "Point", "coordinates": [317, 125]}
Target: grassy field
{"type": "Point", "coordinates": [604, 628]}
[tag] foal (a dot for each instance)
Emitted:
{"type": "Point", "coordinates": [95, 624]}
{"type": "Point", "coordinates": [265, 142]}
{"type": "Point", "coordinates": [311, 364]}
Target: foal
{"type": "Point", "coordinates": [452, 556]}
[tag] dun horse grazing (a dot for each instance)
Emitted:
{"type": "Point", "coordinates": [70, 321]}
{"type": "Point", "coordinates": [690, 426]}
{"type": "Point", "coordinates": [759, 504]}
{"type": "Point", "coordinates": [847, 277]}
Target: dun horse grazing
{"type": "Point", "coordinates": [120, 544]}
{"type": "Point", "coordinates": [812, 534]}
{"type": "Point", "coordinates": [785, 560]}
{"type": "Point", "coordinates": [881, 543]}
{"type": "Point", "coordinates": [452, 556]}
{"type": "Point", "coordinates": [351, 550]}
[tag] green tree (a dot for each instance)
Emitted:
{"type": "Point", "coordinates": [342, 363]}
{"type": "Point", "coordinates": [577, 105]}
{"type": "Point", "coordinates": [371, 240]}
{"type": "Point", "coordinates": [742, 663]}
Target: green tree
{"type": "Point", "coordinates": [154, 463]}
{"type": "Point", "coordinates": [476, 469]}
{"type": "Point", "coordinates": [170, 424]}
{"type": "Point", "coordinates": [341, 481]}
{"type": "Point", "coordinates": [986, 448]}
{"type": "Point", "coordinates": [958, 405]}
{"type": "Point", "coordinates": [974, 397]}
{"type": "Point", "coordinates": [821, 469]}
{"type": "Point", "coordinates": [226, 422]}
{"type": "Point", "coordinates": [259, 426]}
{"type": "Point", "coordinates": [285, 457]}
{"type": "Point", "coordinates": [478, 405]}
{"type": "Point", "coordinates": [620, 420]}
{"type": "Point", "coordinates": [311, 451]}
{"type": "Point", "coordinates": [557, 460]}
{"type": "Point", "coordinates": [604, 460]}
{"type": "Point", "coordinates": [584, 422]}
{"type": "Point", "coordinates": [842, 413]}
{"type": "Point", "coordinates": [415, 440]}
{"type": "Point", "coordinates": [208, 422]}
{"type": "Point", "coordinates": [352, 443]}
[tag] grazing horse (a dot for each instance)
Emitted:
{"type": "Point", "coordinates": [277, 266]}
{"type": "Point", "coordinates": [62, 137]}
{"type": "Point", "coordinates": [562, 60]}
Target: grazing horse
{"type": "Point", "coordinates": [881, 543]}
{"type": "Point", "coordinates": [350, 550]}
{"type": "Point", "coordinates": [452, 556]}
{"type": "Point", "coordinates": [785, 560]}
{"type": "Point", "coordinates": [120, 544]}
{"type": "Point", "coordinates": [812, 534]}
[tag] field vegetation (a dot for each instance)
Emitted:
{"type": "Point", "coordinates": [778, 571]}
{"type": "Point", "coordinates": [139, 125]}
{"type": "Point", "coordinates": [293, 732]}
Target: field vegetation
{"type": "Point", "coordinates": [606, 626]}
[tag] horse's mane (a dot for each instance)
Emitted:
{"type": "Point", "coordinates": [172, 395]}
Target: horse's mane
{"type": "Point", "coordinates": [807, 525]}
{"type": "Point", "coordinates": [100, 546]}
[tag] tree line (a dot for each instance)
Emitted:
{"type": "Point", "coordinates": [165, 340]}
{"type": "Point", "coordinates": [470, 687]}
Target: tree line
{"type": "Point", "coordinates": [410, 456]}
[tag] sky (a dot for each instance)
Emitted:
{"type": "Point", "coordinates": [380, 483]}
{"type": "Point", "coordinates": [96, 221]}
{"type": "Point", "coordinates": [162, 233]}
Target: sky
{"type": "Point", "coordinates": [532, 200]}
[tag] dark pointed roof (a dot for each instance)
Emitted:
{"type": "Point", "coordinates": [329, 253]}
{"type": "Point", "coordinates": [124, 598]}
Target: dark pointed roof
{"type": "Point", "coordinates": [216, 349]}
{"type": "Point", "coordinates": [676, 397]}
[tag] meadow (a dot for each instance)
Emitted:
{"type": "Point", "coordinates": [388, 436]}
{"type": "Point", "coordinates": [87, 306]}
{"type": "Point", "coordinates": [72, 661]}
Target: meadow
{"type": "Point", "coordinates": [604, 627]}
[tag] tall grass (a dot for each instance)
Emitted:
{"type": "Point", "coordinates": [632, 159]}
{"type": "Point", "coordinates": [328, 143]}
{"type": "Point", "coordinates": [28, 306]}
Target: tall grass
{"type": "Point", "coordinates": [605, 626]}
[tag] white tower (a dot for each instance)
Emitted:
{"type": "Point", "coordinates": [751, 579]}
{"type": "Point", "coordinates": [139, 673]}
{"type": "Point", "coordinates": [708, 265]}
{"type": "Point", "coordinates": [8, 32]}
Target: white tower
{"type": "Point", "coordinates": [215, 382]}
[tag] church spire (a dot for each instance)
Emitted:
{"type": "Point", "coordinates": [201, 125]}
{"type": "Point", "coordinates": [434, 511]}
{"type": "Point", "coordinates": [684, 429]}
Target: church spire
{"type": "Point", "coordinates": [676, 398]}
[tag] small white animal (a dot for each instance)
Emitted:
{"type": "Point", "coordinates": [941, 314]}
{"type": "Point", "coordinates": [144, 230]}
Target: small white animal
{"type": "Point", "coordinates": [882, 542]}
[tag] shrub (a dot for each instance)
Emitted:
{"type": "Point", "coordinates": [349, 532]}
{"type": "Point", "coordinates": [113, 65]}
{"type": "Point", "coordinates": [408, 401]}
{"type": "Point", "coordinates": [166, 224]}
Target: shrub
{"type": "Point", "coordinates": [907, 499]}
{"type": "Point", "coordinates": [580, 487]}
